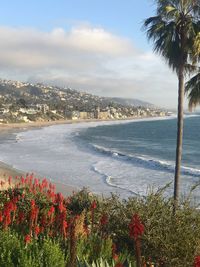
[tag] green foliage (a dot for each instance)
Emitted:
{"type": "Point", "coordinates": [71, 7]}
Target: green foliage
{"type": "Point", "coordinates": [192, 90]}
{"type": "Point", "coordinates": [103, 263]}
{"type": "Point", "coordinates": [52, 255]}
{"type": "Point", "coordinates": [79, 202]}
{"type": "Point", "coordinates": [94, 248]}
{"type": "Point", "coordinates": [100, 263]}
{"type": "Point", "coordinates": [14, 252]}
{"type": "Point", "coordinates": [10, 249]}
{"type": "Point", "coordinates": [174, 240]}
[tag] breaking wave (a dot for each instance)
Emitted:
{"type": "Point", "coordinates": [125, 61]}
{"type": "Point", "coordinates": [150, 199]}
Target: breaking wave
{"type": "Point", "coordinates": [145, 161]}
{"type": "Point", "coordinates": [108, 180]}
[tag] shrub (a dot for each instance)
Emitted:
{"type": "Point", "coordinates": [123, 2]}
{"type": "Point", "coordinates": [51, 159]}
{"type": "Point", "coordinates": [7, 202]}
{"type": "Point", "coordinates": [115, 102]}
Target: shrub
{"type": "Point", "coordinates": [51, 254]}
{"type": "Point", "coordinates": [41, 228]}
{"type": "Point", "coordinates": [93, 248]}
{"type": "Point", "coordinates": [15, 253]}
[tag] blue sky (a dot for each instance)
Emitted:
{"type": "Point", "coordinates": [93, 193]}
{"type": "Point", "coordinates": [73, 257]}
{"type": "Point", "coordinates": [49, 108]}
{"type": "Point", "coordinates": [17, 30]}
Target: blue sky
{"type": "Point", "coordinates": [91, 45]}
{"type": "Point", "coordinates": [120, 17]}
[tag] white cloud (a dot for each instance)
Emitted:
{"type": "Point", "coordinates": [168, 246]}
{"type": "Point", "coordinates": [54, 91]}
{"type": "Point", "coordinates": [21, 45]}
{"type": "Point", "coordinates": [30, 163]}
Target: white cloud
{"type": "Point", "coordinates": [86, 58]}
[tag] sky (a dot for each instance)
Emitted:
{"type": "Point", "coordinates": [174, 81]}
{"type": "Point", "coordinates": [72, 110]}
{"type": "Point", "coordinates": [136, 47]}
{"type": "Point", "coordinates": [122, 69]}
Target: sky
{"type": "Point", "coordinates": [96, 46]}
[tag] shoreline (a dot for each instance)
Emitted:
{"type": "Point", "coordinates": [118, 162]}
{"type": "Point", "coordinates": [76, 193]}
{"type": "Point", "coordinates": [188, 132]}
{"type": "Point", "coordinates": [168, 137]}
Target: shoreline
{"type": "Point", "coordinates": [38, 124]}
{"type": "Point", "coordinates": [65, 189]}
{"type": "Point", "coordinates": [7, 171]}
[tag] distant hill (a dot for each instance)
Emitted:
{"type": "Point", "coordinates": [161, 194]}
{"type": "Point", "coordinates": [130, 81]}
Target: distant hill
{"type": "Point", "coordinates": [131, 102]}
{"type": "Point", "coordinates": [25, 102]}
{"type": "Point", "coordinates": [71, 99]}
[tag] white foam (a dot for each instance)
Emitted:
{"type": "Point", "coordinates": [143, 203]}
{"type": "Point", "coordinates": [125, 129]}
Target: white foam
{"type": "Point", "coordinates": [52, 152]}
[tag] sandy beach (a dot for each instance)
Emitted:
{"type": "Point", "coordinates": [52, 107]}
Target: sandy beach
{"type": "Point", "coordinates": [14, 126]}
{"type": "Point", "coordinates": [7, 170]}
{"type": "Point", "coordinates": [65, 188]}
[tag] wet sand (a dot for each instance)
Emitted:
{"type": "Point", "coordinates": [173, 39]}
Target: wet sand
{"type": "Point", "coordinates": [7, 170]}
{"type": "Point", "coordinates": [15, 126]}
{"type": "Point", "coordinates": [8, 129]}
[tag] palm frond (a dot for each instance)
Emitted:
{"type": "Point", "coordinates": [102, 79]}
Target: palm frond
{"type": "Point", "coordinates": [190, 69]}
{"type": "Point", "coordinates": [164, 29]}
{"type": "Point", "coordinates": [192, 90]}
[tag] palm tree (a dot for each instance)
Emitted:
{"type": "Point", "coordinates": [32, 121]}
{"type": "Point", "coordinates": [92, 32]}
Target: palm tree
{"type": "Point", "coordinates": [192, 88]}
{"type": "Point", "coordinates": [173, 31]}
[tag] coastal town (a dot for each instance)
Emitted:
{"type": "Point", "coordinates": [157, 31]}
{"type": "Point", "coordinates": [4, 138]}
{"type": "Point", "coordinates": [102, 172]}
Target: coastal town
{"type": "Point", "coordinates": [27, 102]}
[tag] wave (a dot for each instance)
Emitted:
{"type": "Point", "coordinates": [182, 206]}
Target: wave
{"type": "Point", "coordinates": [146, 162]}
{"type": "Point", "coordinates": [108, 181]}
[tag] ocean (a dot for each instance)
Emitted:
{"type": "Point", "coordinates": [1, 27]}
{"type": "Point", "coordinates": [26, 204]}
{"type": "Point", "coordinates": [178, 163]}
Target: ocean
{"type": "Point", "coordinates": [124, 157]}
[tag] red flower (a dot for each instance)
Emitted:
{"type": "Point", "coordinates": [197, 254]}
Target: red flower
{"type": "Point", "coordinates": [43, 220]}
{"type": "Point", "coordinates": [36, 182]}
{"type": "Point", "coordinates": [21, 217]}
{"type": "Point", "coordinates": [42, 229]}
{"type": "Point", "coordinates": [37, 230]}
{"type": "Point", "coordinates": [119, 264]}
{"type": "Point", "coordinates": [104, 220]}
{"type": "Point", "coordinates": [94, 205]}
{"type": "Point", "coordinates": [8, 208]}
{"type": "Point", "coordinates": [32, 203]}
{"type": "Point", "coordinates": [59, 200]}
{"type": "Point", "coordinates": [64, 228]}
{"type": "Point", "coordinates": [61, 207]}
{"type": "Point", "coordinates": [197, 261]}
{"type": "Point", "coordinates": [45, 183]}
{"type": "Point", "coordinates": [34, 213]}
{"type": "Point", "coordinates": [51, 211]}
{"type": "Point", "coordinates": [27, 239]}
{"type": "Point", "coordinates": [22, 180]}
{"type": "Point", "coordinates": [136, 228]}
{"type": "Point", "coordinates": [115, 257]}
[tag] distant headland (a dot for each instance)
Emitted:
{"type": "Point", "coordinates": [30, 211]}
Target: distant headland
{"type": "Point", "coordinates": [26, 102]}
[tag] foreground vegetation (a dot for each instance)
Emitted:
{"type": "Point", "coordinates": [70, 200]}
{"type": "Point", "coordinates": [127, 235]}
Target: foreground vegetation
{"type": "Point", "coordinates": [41, 228]}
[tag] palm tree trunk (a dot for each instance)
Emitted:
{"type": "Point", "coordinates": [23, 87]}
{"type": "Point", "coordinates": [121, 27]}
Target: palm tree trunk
{"type": "Point", "coordinates": [179, 141]}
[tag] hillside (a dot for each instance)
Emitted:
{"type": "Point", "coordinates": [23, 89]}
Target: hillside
{"type": "Point", "coordinates": [32, 102]}
{"type": "Point", "coordinates": [132, 102]}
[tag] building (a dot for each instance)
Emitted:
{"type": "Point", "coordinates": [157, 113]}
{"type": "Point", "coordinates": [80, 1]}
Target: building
{"type": "Point", "coordinates": [44, 108]}
{"type": "Point", "coordinates": [28, 111]}
{"type": "Point", "coordinates": [83, 115]}
{"type": "Point", "coordinates": [72, 115]}
{"type": "Point", "coordinates": [102, 115]}
{"type": "Point", "coordinates": [4, 110]}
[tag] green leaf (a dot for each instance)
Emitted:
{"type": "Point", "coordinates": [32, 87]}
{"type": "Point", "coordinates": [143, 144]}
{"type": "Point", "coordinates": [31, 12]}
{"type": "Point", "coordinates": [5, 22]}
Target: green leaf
{"type": "Point", "coordinates": [169, 9]}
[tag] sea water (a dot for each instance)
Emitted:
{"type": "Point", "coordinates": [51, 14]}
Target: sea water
{"type": "Point", "coordinates": [127, 157]}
